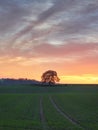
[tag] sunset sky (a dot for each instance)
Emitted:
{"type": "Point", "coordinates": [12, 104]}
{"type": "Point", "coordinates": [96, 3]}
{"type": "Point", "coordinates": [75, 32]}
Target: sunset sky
{"type": "Point", "coordinates": [41, 35]}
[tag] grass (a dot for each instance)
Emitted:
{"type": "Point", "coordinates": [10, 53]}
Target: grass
{"type": "Point", "coordinates": [55, 120]}
{"type": "Point", "coordinates": [20, 107]}
{"type": "Point", "coordinates": [82, 107]}
{"type": "Point", "coordinates": [19, 111]}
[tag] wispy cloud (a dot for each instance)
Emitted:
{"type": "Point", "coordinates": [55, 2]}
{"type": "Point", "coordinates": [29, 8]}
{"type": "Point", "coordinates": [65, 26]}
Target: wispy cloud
{"type": "Point", "coordinates": [66, 19]}
{"type": "Point", "coordinates": [64, 32]}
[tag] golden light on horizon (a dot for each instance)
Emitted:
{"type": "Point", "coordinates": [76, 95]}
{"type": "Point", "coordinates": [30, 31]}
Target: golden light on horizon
{"type": "Point", "coordinates": [32, 68]}
{"type": "Point", "coordinates": [82, 79]}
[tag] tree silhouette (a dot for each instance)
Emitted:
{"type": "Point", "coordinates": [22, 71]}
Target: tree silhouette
{"type": "Point", "coordinates": [50, 77]}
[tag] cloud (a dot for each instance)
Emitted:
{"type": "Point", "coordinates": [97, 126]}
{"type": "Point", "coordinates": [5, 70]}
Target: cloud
{"type": "Point", "coordinates": [11, 16]}
{"type": "Point", "coordinates": [54, 8]}
{"type": "Point", "coordinates": [57, 6]}
{"type": "Point", "coordinates": [31, 28]}
{"type": "Point", "coordinates": [68, 49]}
{"type": "Point", "coordinates": [65, 19]}
{"type": "Point", "coordinates": [91, 7]}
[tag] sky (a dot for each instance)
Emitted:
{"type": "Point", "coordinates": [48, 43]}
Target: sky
{"type": "Point", "coordinates": [41, 35]}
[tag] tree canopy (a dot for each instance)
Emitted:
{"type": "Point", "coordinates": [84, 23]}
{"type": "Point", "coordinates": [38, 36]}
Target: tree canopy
{"type": "Point", "coordinates": [50, 77]}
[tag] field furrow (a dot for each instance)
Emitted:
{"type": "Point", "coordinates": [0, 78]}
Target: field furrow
{"type": "Point", "coordinates": [42, 116]}
{"type": "Point", "coordinates": [83, 107]}
{"type": "Point", "coordinates": [68, 117]}
{"type": "Point", "coordinates": [54, 119]}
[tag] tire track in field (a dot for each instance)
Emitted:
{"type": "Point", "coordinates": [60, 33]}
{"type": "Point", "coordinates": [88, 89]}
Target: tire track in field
{"type": "Point", "coordinates": [42, 117]}
{"type": "Point", "coordinates": [68, 117]}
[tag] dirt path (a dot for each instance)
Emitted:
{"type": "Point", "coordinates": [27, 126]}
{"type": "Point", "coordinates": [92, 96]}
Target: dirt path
{"type": "Point", "coordinates": [73, 121]}
{"type": "Point", "coordinates": [42, 117]}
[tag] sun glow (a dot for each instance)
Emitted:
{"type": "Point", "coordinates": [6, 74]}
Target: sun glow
{"type": "Point", "coordinates": [82, 79]}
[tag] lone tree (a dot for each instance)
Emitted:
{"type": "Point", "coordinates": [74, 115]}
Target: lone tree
{"type": "Point", "coordinates": [50, 77]}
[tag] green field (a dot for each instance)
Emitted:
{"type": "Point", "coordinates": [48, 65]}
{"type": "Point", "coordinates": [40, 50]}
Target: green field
{"type": "Point", "coordinates": [28, 107]}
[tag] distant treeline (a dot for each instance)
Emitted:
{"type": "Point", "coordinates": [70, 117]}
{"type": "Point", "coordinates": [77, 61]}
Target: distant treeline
{"type": "Point", "coordinates": [8, 81]}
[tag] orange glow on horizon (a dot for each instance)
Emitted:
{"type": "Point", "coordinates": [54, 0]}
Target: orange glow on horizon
{"type": "Point", "coordinates": [33, 68]}
{"type": "Point", "coordinates": [71, 79]}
